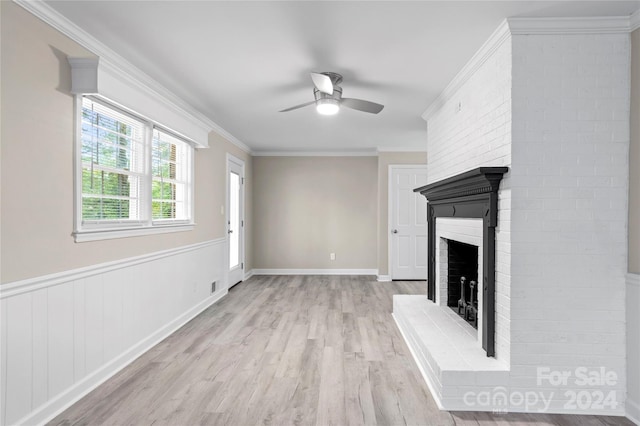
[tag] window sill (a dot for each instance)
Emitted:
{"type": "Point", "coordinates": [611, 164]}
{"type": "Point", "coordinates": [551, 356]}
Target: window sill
{"type": "Point", "coordinates": [112, 233]}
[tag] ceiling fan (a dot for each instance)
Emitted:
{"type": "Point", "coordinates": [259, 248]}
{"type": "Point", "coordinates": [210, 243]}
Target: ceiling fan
{"type": "Point", "coordinates": [328, 96]}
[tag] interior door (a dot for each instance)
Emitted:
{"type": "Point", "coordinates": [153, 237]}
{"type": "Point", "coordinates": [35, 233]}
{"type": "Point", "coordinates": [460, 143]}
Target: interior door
{"type": "Point", "coordinates": [407, 223]}
{"type": "Point", "coordinates": [235, 219]}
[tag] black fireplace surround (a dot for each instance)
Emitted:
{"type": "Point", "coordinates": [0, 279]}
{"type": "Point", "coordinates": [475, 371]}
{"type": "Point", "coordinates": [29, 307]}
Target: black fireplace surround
{"type": "Point", "coordinates": [472, 194]}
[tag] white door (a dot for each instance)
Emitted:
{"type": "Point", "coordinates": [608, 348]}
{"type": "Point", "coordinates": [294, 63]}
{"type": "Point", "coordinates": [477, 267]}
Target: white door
{"type": "Point", "coordinates": [407, 223]}
{"type": "Point", "coordinates": [235, 219]}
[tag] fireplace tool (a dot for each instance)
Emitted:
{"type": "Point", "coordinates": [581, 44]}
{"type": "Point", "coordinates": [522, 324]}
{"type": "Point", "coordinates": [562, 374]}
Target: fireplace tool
{"type": "Point", "coordinates": [462, 302]}
{"type": "Point", "coordinates": [471, 310]}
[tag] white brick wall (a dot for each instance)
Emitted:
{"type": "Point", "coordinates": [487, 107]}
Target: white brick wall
{"type": "Point", "coordinates": [569, 196]}
{"type": "Point", "coordinates": [555, 110]}
{"type": "Point", "coordinates": [473, 129]}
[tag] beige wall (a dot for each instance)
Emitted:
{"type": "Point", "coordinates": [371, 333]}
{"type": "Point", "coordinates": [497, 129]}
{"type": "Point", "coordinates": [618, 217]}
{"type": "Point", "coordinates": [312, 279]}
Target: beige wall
{"type": "Point", "coordinates": [215, 165]}
{"type": "Point", "coordinates": [307, 207]}
{"type": "Point", "coordinates": [634, 158]}
{"type": "Point", "coordinates": [37, 162]}
{"type": "Point", "coordinates": [384, 160]}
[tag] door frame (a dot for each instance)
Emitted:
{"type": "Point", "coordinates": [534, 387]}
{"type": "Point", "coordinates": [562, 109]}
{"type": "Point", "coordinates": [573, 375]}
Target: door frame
{"type": "Point", "coordinates": [390, 168]}
{"type": "Point", "coordinates": [229, 159]}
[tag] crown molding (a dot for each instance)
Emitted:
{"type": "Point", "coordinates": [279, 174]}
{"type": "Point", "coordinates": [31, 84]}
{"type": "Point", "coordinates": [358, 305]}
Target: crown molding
{"type": "Point", "coordinates": [314, 154]}
{"type": "Point", "coordinates": [496, 40]}
{"type": "Point", "coordinates": [124, 69]}
{"type": "Point", "coordinates": [585, 25]}
{"type": "Point", "coordinates": [533, 26]}
{"type": "Point", "coordinates": [634, 20]}
{"type": "Point", "coordinates": [365, 153]}
{"type": "Point", "coordinates": [400, 149]}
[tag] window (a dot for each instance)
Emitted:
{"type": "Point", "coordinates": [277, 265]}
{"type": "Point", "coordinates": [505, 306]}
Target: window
{"type": "Point", "coordinates": [170, 172]}
{"type": "Point", "coordinates": [135, 176]}
{"type": "Point", "coordinates": [112, 164]}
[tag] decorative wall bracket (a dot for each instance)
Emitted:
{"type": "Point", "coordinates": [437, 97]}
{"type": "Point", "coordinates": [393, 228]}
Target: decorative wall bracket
{"type": "Point", "coordinates": [472, 194]}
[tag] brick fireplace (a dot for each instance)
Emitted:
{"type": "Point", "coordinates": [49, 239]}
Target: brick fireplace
{"type": "Point", "coordinates": [473, 194]}
{"type": "Point", "coordinates": [549, 101]}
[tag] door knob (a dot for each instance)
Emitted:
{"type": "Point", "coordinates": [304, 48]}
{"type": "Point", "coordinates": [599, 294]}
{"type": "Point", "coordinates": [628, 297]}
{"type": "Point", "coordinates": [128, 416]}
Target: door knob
{"type": "Point", "coordinates": [395, 231]}
{"type": "Point", "coordinates": [230, 231]}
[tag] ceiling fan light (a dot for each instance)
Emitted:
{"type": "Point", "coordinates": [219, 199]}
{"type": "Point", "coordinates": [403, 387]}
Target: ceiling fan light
{"type": "Point", "coordinates": [327, 106]}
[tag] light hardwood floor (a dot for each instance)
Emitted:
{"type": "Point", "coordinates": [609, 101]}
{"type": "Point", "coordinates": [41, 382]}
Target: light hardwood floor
{"type": "Point", "coordinates": [287, 350]}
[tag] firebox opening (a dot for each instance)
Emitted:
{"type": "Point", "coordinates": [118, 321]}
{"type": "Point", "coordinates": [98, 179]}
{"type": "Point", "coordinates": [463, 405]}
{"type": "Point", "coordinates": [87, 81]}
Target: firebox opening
{"type": "Point", "coordinates": [462, 288]}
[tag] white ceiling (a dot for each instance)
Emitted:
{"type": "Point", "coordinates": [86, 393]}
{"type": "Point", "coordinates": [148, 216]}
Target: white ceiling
{"type": "Point", "coordinates": [240, 62]}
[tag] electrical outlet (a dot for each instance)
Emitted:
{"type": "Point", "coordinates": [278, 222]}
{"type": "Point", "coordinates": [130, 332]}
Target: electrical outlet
{"type": "Point", "coordinates": [213, 287]}
{"type": "Point", "coordinates": [332, 256]}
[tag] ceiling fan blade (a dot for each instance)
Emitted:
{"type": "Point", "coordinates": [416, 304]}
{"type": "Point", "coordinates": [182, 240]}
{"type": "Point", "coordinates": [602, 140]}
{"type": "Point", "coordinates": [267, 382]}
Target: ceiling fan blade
{"type": "Point", "coordinates": [322, 82]}
{"type": "Point", "coordinates": [361, 105]}
{"type": "Point", "coordinates": [298, 106]}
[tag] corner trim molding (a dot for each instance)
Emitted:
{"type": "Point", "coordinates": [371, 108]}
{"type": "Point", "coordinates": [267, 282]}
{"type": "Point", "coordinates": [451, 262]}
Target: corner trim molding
{"type": "Point", "coordinates": [315, 272]}
{"type": "Point", "coordinates": [123, 68]}
{"type": "Point", "coordinates": [31, 284]}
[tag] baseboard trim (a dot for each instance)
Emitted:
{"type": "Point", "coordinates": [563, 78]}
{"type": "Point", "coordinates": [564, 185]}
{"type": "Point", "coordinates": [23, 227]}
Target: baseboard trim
{"type": "Point", "coordinates": [248, 274]}
{"type": "Point", "coordinates": [384, 278]}
{"type": "Point", "coordinates": [32, 284]}
{"type": "Point", "coordinates": [52, 408]}
{"type": "Point", "coordinates": [315, 272]}
{"type": "Point", "coordinates": [632, 409]}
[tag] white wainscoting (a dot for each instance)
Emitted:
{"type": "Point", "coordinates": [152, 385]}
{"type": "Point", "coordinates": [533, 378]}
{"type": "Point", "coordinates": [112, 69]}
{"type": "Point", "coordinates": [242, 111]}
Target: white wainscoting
{"type": "Point", "coordinates": [64, 334]}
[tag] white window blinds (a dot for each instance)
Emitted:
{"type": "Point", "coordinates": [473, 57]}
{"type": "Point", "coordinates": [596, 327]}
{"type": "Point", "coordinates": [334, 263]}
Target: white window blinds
{"type": "Point", "coordinates": [171, 176]}
{"type": "Point", "coordinates": [113, 164]}
{"type": "Point", "coordinates": [134, 177]}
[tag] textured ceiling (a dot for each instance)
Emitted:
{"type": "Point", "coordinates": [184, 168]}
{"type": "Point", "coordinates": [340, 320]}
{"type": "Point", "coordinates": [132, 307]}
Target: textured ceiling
{"type": "Point", "coordinates": [239, 62]}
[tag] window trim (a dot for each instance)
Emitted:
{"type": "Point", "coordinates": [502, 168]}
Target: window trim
{"type": "Point", "coordinates": [94, 230]}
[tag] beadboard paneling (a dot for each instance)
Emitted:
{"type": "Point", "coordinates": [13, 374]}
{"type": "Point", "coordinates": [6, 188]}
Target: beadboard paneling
{"type": "Point", "coordinates": [64, 334]}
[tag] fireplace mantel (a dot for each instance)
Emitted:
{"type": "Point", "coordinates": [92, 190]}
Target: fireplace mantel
{"type": "Point", "coordinates": [472, 194]}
